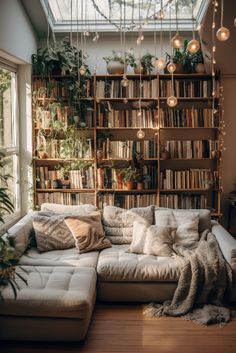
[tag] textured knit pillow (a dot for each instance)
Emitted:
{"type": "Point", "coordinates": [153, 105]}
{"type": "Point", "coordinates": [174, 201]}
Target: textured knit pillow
{"type": "Point", "coordinates": [152, 240]}
{"type": "Point", "coordinates": [118, 222]}
{"type": "Point", "coordinates": [52, 233]}
{"type": "Point", "coordinates": [88, 232]}
{"type": "Point", "coordinates": [185, 223]}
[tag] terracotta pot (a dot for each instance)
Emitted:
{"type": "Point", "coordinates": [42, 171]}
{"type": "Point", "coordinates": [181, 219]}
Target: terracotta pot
{"type": "Point", "coordinates": [140, 186]}
{"type": "Point", "coordinates": [115, 67]}
{"type": "Point", "coordinates": [179, 69]}
{"type": "Point", "coordinates": [200, 68]}
{"type": "Point", "coordinates": [139, 69]}
{"type": "Point", "coordinates": [129, 185]}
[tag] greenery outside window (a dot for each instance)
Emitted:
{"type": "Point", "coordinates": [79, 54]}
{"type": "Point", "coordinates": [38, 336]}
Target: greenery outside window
{"type": "Point", "coordinates": [9, 137]}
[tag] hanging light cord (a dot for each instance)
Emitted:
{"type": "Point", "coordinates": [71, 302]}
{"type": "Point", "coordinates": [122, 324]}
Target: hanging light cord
{"type": "Point", "coordinates": [222, 13]}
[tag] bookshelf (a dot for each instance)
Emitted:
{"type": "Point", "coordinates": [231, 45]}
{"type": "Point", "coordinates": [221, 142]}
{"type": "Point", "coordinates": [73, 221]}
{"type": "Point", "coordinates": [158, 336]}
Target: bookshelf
{"type": "Point", "coordinates": [177, 162]}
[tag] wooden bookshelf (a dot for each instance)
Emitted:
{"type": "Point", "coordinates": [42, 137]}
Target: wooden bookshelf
{"type": "Point", "coordinates": [190, 133]}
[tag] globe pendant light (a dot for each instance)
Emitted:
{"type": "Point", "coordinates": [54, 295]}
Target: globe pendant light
{"type": "Point", "coordinates": [140, 134]}
{"type": "Point", "coordinates": [172, 101]}
{"type": "Point", "coordinates": [159, 64]}
{"type": "Point", "coordinates": [177, 41]}
{"type": "Point", "coordinates": [171, 67]}
{"type": "Point", "coordinates": [223, 33]}
{"type": "Point", "coordinates": [125, 81]}
{"type": "Point", "coordinates": [194, 45]}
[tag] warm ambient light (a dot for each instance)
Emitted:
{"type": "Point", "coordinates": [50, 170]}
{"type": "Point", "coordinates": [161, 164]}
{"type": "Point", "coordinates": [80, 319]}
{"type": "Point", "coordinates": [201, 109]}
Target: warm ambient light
{"type": "Point", "coordinates": [124, 81]}
{"type": "Point", "coordinates": [177, 41]}
{"type": "Point", "coordinates": [171, 67]}
{"type": "Point", "coordinates": [193, 46]}
{"type": "Point", "coordinates": [172, 101]}
{"type": "Point", "coordinates": [82, 70]}
{"type": "Point", "coordinates": [159, 64]}
{"type": "Point", "coordinates": [235, 22]}
{"type": "Point", "coordinates": [223, 34]}
{"type": "Point", "coordinates": [140, 134]}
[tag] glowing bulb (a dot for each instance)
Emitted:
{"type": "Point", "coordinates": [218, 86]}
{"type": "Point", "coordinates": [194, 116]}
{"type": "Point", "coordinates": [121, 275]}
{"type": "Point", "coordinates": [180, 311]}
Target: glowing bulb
{"type": "Point", "coordinates": [124, 81]}
{"type": "Point", "coordinates": [235, 22]}
{"type": "Point", "coordinates": [140, 134]}
{"type": "Point", "coordinates": [142, 37]}
{"type": "Point", "coordinates": [193, 46]}
{"type": "Point", "coordinates": [82, 70]}
{"type": "Point", "coordinates": [177, 41]}
{"type": "Point", "coordinates": [160, 64]}
{"type": "Point", "coordinates": [161, 14]}
{"type": "Point", "coordinates": [87, 33]}
{"type": "Point", "coordinates": [138, 41]}
{"type": "Point", "coordinates": [171, 67]}
{"type": "Point", "coordinates": [139, 113]}
{"type": "Point", "coordinates": [125, 100]}
{"type": "Point", "coordinates": [172, 101]}
{"type": "Point", "coordinates": [222, 34]}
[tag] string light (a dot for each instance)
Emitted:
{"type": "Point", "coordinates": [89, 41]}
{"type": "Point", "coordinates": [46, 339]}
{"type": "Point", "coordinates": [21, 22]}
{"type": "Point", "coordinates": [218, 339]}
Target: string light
{"type": "Point", "coordinates": [140, 134]}
{"type": "Point", "coordinates": [177, 41]}
{"type": "Point", "coordinates": [223, 33]}
{"type": "Point", "coordinates": [194, 45]}
{"type": "Point", "coordinates": [171, 67]}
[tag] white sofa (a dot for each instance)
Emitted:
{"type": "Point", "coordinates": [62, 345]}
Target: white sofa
{"type": "Point", "coordinates": [58, 300]}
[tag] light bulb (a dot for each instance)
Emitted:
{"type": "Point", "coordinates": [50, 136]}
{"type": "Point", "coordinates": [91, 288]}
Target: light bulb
{"type": "Point", "coordinates": [87, 33]}
{"type": "Point", "coordinates": [172, 101]}
{"type": "Point", "coordinates": [138, 41]}
{"type": "Point", "coordinates": [235, 22]}
{"type": "Point", "coordinates": [125, 100]}
{"type": "Point", "coordinates": [139, 113]}
{"type": "Point", "coordinates": [161, 14]}
{"type": "Point", "coordinates": [160, 64]}
{"type": "Point", "coordinates": [124, 81]}
{"type": "Point", "coordinates": [171, 67]}
{"type": "Point", "coordinates": [222, 34]}
{"type": "Point", "coordinates": [177, 41]}
{"type": "Point", "coordinates": [193, 46]}
{"type": "Point", "coordinates": [142, 37]}
{"type": "Point", "coordinates": [140, 134]}
{"type": "Point", "coordinates": [82, 70]}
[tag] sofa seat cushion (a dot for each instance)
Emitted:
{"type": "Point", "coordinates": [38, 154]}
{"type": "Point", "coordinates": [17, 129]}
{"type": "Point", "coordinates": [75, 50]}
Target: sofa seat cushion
{"type": "Point", "coordinates": [62, 292]}
{"type": "Point", "coordinates": [118, 264]}
{"type": "Point", "coordinates": [68, 257]}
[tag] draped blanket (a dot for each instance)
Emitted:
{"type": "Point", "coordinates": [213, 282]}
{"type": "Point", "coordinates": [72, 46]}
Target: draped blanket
{"type": "Point", "coordinates": [203, 286]}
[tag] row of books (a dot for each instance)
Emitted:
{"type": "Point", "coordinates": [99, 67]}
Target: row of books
{"type": "Point", "coordinates": [65, 198]}
{"type": "Point", "coordinates": [135, 89]}
{"type": "Point", "coordinates": [126, 201]}
{"type": "Point", "coordinates": [127, 118]}
{"type": "Point", "coordinates": [187, 179]}
{"type": "Point", "coordinates": [128, 149]}
{"type": "Point", "coordinates": [188, 117]}
{"type": "Point", "coordinates": [77, 179]}
{"type": "Point", "coordinates": [187, 88]}
{"type": "Point", "coordinates": [183, 201]}
{"type": "Point", "coordinates": [58, 88]}
{"type": "Point", "coordinates": [191, 148]}
{"type": "Point", "coordinates": [111, 178]}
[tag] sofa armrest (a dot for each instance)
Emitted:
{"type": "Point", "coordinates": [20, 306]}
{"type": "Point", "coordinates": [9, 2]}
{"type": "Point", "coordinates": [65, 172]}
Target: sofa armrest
{"type": "Point", "coordinates": [226, 242]}
{"type": "Point", "coordinates": [20, 233]}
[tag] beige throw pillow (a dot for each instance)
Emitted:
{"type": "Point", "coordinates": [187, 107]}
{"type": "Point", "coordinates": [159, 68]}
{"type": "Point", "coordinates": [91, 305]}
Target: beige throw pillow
{"type": "Point", "coordinates": [185, 223]}
{"type": "Point", "coordinates": [51, 233]}
{"type": "Point", "coordinates": [88, 232]}
{"type": "Point", "coordinates": [152, 240]}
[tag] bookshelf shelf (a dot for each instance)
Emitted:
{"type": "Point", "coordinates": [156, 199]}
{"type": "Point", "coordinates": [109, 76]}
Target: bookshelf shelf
{"type": "Point", "coordinates": [181, 144]}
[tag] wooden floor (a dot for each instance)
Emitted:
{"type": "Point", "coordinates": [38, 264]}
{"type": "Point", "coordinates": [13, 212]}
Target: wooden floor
{"type": "Point", "coordinates": [123, 329]}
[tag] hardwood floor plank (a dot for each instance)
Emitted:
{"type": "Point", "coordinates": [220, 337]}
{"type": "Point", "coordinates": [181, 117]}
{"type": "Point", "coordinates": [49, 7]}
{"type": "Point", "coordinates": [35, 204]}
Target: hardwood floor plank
{"type": "Point", "coordinates": [122, 328]}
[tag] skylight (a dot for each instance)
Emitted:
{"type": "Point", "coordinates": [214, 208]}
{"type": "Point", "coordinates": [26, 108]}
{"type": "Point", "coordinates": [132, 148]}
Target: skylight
{"type": "Point", "coordinates": [113, 15]}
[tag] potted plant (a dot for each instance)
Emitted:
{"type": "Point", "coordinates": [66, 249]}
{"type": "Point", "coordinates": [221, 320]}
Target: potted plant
{"type": "Point", "coordinates": [118, 61]}
{"type": "Point", "coordinates": [129, 177]}
{"type": "Point", "coordinates": [143, 66]}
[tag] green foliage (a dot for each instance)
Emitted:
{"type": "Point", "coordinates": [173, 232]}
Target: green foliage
{"type": "Point", "coordinates": [5, 81]}
{"type": "Point", "coordinates": [124, 58]}
{"type": "Point", "coordinates": [129, 174]}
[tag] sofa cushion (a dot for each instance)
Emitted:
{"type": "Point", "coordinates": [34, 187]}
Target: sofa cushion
{"type": "Point", "coordinates": [69, 257]}
{"type": "Point", "coordinates": [88, 232]}
{"type": "Point", "coordinates": [204, 216]}
{"type": "Point", "coordinates": [81, 209]}
{"type": "Point", "coordinates": [185, 223]}
{"type": "Point", "coordinates": [152, 240]}
{"type": "Point", "coordinates": [63, 292]}
{"type": "Point", "coordinates": [118, 222]}
{"type": "Point", "coordinates": [118, 264]}
{"type": "Point", "coordinates": [52, 233]}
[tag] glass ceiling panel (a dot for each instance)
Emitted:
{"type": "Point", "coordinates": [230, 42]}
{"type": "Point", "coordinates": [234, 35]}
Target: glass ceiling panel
{"type": "Point", "coordinates": [120, 14]}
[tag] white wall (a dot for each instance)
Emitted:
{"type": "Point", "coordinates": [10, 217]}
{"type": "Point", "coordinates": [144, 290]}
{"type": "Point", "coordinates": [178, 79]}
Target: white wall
{"type": "Point", "coordinates": [17, 37]}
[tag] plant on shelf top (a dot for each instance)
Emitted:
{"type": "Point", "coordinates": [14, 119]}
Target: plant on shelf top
{"type": "Point", "coordinates": [145, 61]}
{"type": "Point", "coordinates": [122, 57]}
{"type": "Point", "coordinates": [129, 174]}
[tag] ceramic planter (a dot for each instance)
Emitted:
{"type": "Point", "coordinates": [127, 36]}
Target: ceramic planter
{"type": "Point", "coordinates": [115, 67]}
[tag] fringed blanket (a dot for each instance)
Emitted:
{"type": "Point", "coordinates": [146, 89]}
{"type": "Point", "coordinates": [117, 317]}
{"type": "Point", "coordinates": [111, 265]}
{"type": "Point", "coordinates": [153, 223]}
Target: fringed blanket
{"type": "Point", "coordinates": [203, 287]}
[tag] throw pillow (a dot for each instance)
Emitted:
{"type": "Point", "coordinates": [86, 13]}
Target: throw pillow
{"type": "Point", "coordinates": [52, 233]}
{"type": "Point", "coordinates": [185, 223]}
{"type": "Point", "coordinates": [151, 240]}
{"type": "Point", "coordinates": [62, 209]}
{"type": "Point", "coordinates": [204, 216]}
{"type": "Point", "coordinates": [118, 222]}
{"type": "Point", "coordinates": [88, 232]}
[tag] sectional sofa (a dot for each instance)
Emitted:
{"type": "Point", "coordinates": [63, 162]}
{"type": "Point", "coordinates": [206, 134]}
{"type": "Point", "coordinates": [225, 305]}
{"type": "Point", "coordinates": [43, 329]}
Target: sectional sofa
{"type": "Point", "coordinates": [63, 285]}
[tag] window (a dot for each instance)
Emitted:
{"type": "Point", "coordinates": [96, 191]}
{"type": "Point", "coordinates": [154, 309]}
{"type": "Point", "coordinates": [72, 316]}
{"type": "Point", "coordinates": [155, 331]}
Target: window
{"type": "Point", "coordinates": [9, 136]}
